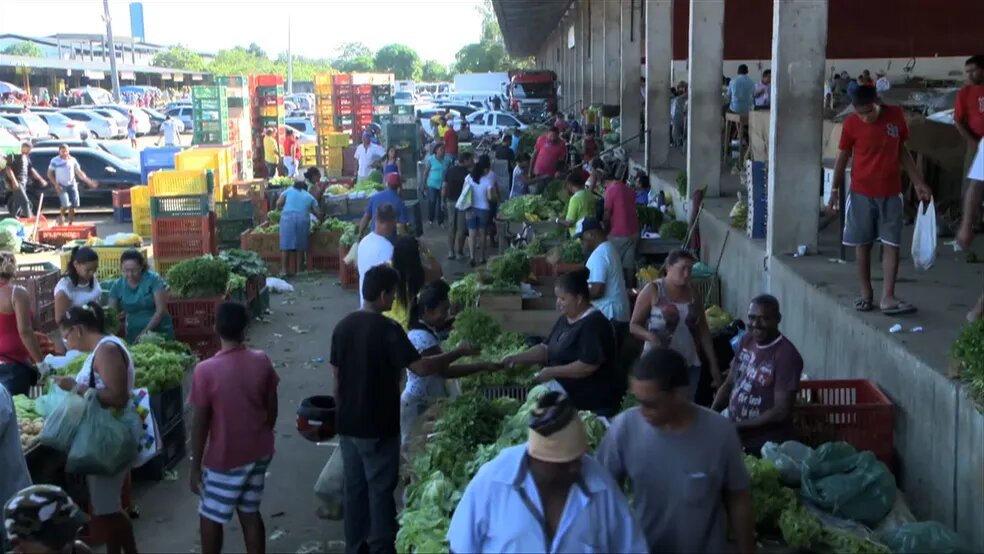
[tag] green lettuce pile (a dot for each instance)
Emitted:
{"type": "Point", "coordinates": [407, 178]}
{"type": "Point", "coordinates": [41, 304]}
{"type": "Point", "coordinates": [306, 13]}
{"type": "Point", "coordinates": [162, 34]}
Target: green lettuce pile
{"type": "Point", "coordinates": [203, 277]}
{"type": "Point", "coordinates": [159, 364]}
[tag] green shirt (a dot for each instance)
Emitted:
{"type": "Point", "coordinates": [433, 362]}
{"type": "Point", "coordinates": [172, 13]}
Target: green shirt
{"type": "Point", "coordinates": [139, 306]}
{"type": "Point", "coordinates": [580, 206]}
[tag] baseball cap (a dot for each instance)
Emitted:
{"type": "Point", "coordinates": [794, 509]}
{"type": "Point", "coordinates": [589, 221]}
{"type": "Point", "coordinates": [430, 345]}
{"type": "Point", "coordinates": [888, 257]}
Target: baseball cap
{"type": "Point", "coordinates": [393, 179]}
{"type": "Point", "coordinates": [587, 224]}
{"type": "Point", "coordinates": [44, 514]}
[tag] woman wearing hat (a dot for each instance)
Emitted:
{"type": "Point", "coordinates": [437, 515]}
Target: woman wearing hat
{"type": "Point", "coordinates": [546, 495]}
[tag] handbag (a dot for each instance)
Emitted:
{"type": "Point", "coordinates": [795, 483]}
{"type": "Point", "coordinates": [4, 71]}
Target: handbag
{"type": "Point", "coordinates": [466, 199]}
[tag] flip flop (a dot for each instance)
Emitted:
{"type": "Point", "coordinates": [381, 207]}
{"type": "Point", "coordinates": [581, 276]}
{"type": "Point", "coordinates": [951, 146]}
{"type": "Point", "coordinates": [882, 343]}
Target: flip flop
{"type": "Point", "coordinates": [901, 308]}
{"type": "Point", "coordinates": [863, 304]}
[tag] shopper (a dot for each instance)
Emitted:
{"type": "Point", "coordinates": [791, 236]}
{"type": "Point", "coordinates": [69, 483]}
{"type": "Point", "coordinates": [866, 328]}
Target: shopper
{"type": "Point", "coordinates": [65, 173]}
{"type": "Point", "coordinates": [108, 370]}
{"type": "Point", "coordinates": [689, 482]}
{"type": "Point", "coordinates": [761, 387]}
{"type": "Point", "coordinates": [580, 352]}
{"type": "Point", "coordinates": [971, 213]}
{"type": "Point", "coordinates": [19, 349]}
{"type": "Point", "coordinates": [141, 295]}
{"type": "Point", "coordinates": [42, 518]}
{"type": "Point", "coordinates": [454, 182]}
{"type": "Point", "coordinates": [519, 185]}
{"type": "Point", "coordinates": [606, 280]}
{"type": "Point", "coordinates": [15, 475]}
{"type": "Point", "coordinates": [430, 313]}
{"type": "Point", "coordinates": [622, 222]}
{"type": "Point", "coordinates": [169, 132]}
{"type": "Point", "coordinates": [874, 136]}
{"type": "Point", "coordinates": [450, 138]}
{"type": "Point", "coordinates": [416, 268]}
{"type": "Point", "coordinates": [741, 92]}
{"type": "Point", "coordinates": [79, 285]}
{"type": "Point", "coordinates": [367, 155]}
{"type": "Point", "coordinates": [579, 508]}
{"type": "Point", "coordinates": [549, 154]}
{"type": "Point", "coordinates": [479, 215]}
{"type": "Point", "coordinates": [435, 167]}
{"type": "Point", "coordinates": [234, 395]}
{"type": "Point", "coordinates": [376, 248]}
{"type": "Point", "coordinates": [670, 312]}
{"type": "Point", "coordinates": [19, 173]}
{"type": "Point", "coordinates": [292, 151]}
{"type": "Point", "coordinates": [581, 203]}
{"type": "Point", "coordinates": [131, 129]}
{"type": "Point", "coordinates": [297, 206]}
{"type": "Point", "coordinates": [389, 195]}
{"type": "Point", "coordinates": [392, 163]}
{"type": "Point", "coordinates": [271, 153]}
{"type": "Point", "coordinates": [369, 353]}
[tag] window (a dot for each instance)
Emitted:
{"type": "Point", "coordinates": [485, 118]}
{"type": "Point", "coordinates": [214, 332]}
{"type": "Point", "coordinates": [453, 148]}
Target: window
{"type": "Point", "coordinates": [78, 116]}
{"type": "Point", "coordinates": [507, 121]}
{"type": "Point", "coordinates": [91, 165]}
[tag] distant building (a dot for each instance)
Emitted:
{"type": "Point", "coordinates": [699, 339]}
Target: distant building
{"type": "Point", "coordinates": [92, 47]}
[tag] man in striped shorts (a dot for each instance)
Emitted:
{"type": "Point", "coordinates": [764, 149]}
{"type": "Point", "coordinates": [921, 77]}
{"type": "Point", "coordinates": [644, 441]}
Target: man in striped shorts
{"type": "Point", "coordinates": [235, 396]}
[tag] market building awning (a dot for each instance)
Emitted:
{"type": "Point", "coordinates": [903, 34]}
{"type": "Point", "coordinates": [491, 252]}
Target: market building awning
{"type": "Point", "coordinates": [526, 24]}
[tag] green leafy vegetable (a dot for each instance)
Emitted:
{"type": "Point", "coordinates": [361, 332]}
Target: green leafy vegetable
{"type": "Point", "coordinates": [968, 352]}
{"type": "Point", "coordinates": [572, 252]}
{"type": "Point", "coordinates": [236, 283]}
{"type": "Point", "coordinates": [513, 267]}
{"type": "Point", "coordinates": [24, 407]}
{"type": "Point", "coordinates": [529, 207]}
{"type": "Point", "coordinates": [675, 230]}
{"type": "Point", "coordinates": [475, 327]}
{"type": "Point", "coordinates": [243, 262]}
{"type": "Point", "coordinates": [280, 182]}
{"type": "Point", "coordinates": [203, 277]}
{"type": "Point", "coordinates": [274, 216]}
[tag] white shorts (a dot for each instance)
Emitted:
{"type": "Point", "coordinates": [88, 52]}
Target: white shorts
{"type": "Point", "coordinates": [106, 492]}
{"type": "Point", "coordinates": [69, 197]}
{"type": "Point", "coordinates": [977, 166]}
{"type": "Point", "coordinates": [224, 492]}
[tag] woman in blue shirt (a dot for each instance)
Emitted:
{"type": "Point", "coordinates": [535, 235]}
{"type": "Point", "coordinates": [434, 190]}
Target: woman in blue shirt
{"type": "Point", "coordinates": [434, 168]}
{"type": "Point", "coordinates": [392, 163]}
{"type": "Point", "coordinates": [142, 297]}
{"type": "Point", "coordinates": [297, 205]}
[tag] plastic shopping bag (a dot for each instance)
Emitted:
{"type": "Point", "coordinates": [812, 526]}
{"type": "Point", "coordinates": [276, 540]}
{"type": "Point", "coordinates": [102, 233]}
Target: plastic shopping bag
{"type": "Point", "coordinates": [923, 537]}
{"type": "Point", "coordinates": [848, 484]}
{"type": "Point", "coordinates": [466, 199]}
{"type": "Point", "coordinates": [330, 484]}
{"type": "Point", "coordinates": [924, 237]}
{"type": "Point", "coordinates": [105, 442]}
{"type": "Point", "coordinates": [62, 411]}
{"type": "Point", "coordinates": [147, 434]}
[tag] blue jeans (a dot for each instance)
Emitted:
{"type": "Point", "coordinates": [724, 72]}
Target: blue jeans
{"type": "Point", "coordinates": [17, 378]}
{"type": "Point", "coordinates": [434, 211]}
{"type": "Point", "coordinates": [271, 170]}
{"type": "Point", "coordinates": [372, 470]}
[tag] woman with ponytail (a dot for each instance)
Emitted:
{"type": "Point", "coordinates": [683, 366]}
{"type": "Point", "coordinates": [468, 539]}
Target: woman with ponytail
{"type": "Point", "coordinates": [19, 349]}
{"type": "Point", "coordinates": [78, 286]}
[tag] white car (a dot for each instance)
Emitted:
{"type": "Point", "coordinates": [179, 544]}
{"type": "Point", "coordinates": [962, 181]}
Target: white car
{"type": "Point", "coordinates": [143, 120]}
{"type": "Point", "coordinates": [62, 126]}
{"type": "Point", "coordinates": [100, 126]}
{"type": "Point", "coordinates": [404, 98]}
{"type": "Point", "coordinates": [485, 122]}
{"type": "Point", "coordinates": [35, 125]}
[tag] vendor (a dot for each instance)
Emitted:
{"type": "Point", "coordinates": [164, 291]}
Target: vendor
{"type": "Point", "coordinates": [78, 286]}
{"type": "Point", "coordinates": [19, 349]}
{"type": "Point", "coordinates": [141, 295]}
{"type": "Point", "coordinates": [312, 177]}
{"type": "Point", "coordinates": [430, 313]}
{"type": "Point", "coordinates": [580, 352]}
{"type": "Point", "coordinates": [297, 206]}
{"type": "Point", "coordinates": [581, 203]}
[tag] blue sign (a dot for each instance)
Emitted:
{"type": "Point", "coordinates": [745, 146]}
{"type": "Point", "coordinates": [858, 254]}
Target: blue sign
{"type": "Point", "coordinates": [137, 22]}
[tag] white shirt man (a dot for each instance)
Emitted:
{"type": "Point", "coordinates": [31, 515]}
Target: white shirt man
{"type": "Point", "coordinates": [373, 250]}
{"type": "Point", "coordinates": [367, 154]}
{"type": "Point", "coordinates": [169, 130]}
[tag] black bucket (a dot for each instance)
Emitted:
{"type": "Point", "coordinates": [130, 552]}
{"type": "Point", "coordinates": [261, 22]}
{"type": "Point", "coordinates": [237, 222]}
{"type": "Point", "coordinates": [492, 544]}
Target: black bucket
{"type": "Point", "coordinates": [316, 418]}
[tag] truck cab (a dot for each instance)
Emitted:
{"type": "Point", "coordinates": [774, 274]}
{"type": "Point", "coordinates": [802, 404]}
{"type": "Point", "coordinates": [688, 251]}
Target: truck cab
{"type": "Point", "coordinates": [533, 91]}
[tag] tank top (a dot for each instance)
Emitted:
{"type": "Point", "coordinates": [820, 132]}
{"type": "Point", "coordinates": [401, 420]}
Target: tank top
{"type": "Point", "coordinates": [664, 320]}
{"type": "Point", "coordinates": [83, 375]}
{"type": "Point", "coordinates": [12, 349]}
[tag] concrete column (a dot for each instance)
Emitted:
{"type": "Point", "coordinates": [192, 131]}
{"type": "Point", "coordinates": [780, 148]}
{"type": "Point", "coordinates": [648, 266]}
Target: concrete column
{"type": "Point", "coordinates": [583, 61]}
{"type": "Point", "coordinates": [659, 59]}
{"type": "Point", "coordinates": [799, 46]}
{"type": "Point", "coordinates": [597, 51]}
{"type": "Point", "coordinates": [631, 71]}
{"type": "Point", "coordinates": [613, 51]}
{"type": "Point", "coordinates": [704, 125]}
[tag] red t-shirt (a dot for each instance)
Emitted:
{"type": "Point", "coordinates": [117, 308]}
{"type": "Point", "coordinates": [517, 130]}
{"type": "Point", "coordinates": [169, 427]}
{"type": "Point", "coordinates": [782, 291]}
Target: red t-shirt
{"type": "Point", "coordinates": [970, 108]}
{"type": "Point", "coordinates": [451, 142]}
{"type": "Point", "coordinates": [236, 385]}
{"type": "Point", "coordinates": [876, 170]}
{"type": "Point", "coordinates": [548, 155]}
{"type": "Point", "coordinates": [620, 199]}
{"type": "Point", "coordinates": [290, 145]}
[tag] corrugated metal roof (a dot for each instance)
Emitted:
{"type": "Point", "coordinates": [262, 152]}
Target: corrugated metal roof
{"type": "Point", "coordinates": [85, 65]}
{"type": "Point", "coordinates": [526, 24]}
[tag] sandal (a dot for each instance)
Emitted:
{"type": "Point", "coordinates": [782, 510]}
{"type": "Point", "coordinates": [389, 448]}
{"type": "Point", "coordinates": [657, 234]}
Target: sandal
{"type": "Point", "coordinates": [863, 304]}
{"type": "Point", "coordinates": [901, 308]}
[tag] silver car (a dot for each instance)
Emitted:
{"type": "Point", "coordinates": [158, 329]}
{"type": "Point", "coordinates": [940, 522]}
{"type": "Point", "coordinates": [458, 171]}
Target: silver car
{"type": "Point", "coordinates": [99, 126]}
{"type": "Point", "coordinates": [143, 120]}
{"type": "Point", "coordinates": [121, 120]}
{"type": "Point", "coordinates": [63, 127]}
{"type": "Point", "coordinates": [35, 125]}
{"type": "Point", "coordinates": [19, 131]}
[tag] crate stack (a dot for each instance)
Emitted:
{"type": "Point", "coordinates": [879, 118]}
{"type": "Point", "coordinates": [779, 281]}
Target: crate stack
{"type": "Point", "coordinates": [140, 208]}
{"type": "Point", "coordinates": [344, 102]}
{"type": "Point", "coordinates": [267, 94]}
{"type": "Point", "coordinates": [182, 222]}
{"type": "Point", "coordinates": [39, 280]}
{"type": "Point", "coordinates": [210, 115]}
{"type": "Point", "coordinates": [233, 217]}
{"type": "Point", "coordinates": [122, 209]}
{"type": "Point", "coordinates": [237, 97]}
{"type": "Point", "coordinates": [219, 159]}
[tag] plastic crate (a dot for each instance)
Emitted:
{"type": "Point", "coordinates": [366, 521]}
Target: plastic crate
{"type": "Point", "coordinates": [348, 274]}
{"type": "Point", "coordinates": [341, 79]}
{"type": "Point", "coordinates": [167, 407]}
{"type": "Point", "coordinates": [179, 206]}
{"type": "Point", "coordinates": [154, 159]}
{"type": "Point", "coordinates": [270, 91]}
{"type": "Point", "coordinates": [163, 266]}
{"type": "Point", "coordinates": [709, 289]}
{"type": "Point", "coordinates": [267, 80]}
{"type": "Point", "coordinates": [324, 242]}
{"type": "Point", "coordinates": [325, 262]}
{"type": "Point", "coordinates": [851, 410]}
{"type": "Point", "coordinates": [59, 235]}
{"type": "Point", "coordinates": [234, 209]}
{"type": "Point", "coordinates": [202, 138]}
{"type": "Point", "coordinates": [39, 279]}
{"type": "Point", "coordinates": [178, 183]}
{"type": "Point", "coordinates": [217, 158]}
{"type": "Point", "coordinates": [229, 231]}
{"type": "Point", "coordinates": [109, 260]}
{"type": "Point", "coordinates": [203, 344]}
{"type": "Point", "coordinates": [121, 198]}
{"type": "Point", "coordinates": [204, 92]}
{"type": "Point", "coordinates": [267, 245]}
{"type": "Point", "coordinates": [193, 314]}
{"type": "Point", "coordinates": [516, 392]}
{"type": "Point", "coordinates": [123, 215]}
{"type": "Point", "coordinates": [173, 449]}
{"type": "Point", "coordinates": [178, 238]}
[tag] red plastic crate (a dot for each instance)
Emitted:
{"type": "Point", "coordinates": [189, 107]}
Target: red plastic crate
{"type": "Point", "coordinates": [267, 245]}
{"type": "Point", "coordinates": [177, 238]}
{"type": "Point", "coordinates": [540, 267]}
{"type": "Point", "coordinates": [343, 103]}
{"type": "Point", "coordinates": [325, 262]}
{"type": "Point", "coordinates": [40, 279]}
{"type": "Point", "coordinates": [121, 198]}
{"type": "Point", "coordinates": [855, 411]}
{"type": "Point", "coordinates": [270, 101]}
{"type": "Point", "coordinates": [363, 89]}
{"type": "Point", "coordinates": [344, 90]}
{"type": "Point", "coordinates": [267, 80]}
{"type": "Point", "coordinates": [61, 234]}
{"type": "Point", "coordinates": [341, 79]}
{"type": "Point", "coordinates": [364, 111]}
{"type": "Point", "coordinates": [193, 314]}
{"type": "Point", "coordinates": [203, 345]}
{"type": "Point", "coordinates": [348, 275]}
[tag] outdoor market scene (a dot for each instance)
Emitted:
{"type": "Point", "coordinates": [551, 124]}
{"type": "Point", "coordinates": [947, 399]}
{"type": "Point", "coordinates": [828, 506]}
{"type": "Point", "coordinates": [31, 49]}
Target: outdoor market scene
{"type": "Point", "coordinates": [517, 307]}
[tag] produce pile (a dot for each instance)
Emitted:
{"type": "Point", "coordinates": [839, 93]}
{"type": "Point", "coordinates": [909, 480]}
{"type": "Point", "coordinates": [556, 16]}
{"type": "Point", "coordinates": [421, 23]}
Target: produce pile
{"type": "Point", "coordinates": [647, 274]}
{"type": "Point", "coordinates": [531, 208]}
{"type": "Point", "coordinates": [673, 230]}
{"type": "Point", "coordinates": [466, 291]}
{"type": "Point", "coordinates": [569, 252]}
{"type": "Point", "coordinates": [333, 224]}
{"type": "Point", "coordinates": [649, 217]}
{"type": "Point", "coordinates": [280, 182]}
{"type": "Point", "coordinates": [475, 327]}
{"type": "Point", "coordinates": [968, 352]}
{"type": "Point", "coordinates": [203, 277]}
{"type": "Point", "coordinates": [739, 214]}
{"type": "Point", "coordinates": [243, 262]}
{"type": "Point", "coordinates": [512, 268]}
{"type": "Point", "coordinates": [159, 364]}
{"type": "Point", "coordinates": [29, 422]}
{"type": "Point", "coordinates": [717, 318]}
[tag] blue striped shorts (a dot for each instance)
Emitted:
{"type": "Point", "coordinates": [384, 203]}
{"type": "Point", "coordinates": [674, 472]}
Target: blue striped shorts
{"type": "Point", "coordinates": [224, 492]}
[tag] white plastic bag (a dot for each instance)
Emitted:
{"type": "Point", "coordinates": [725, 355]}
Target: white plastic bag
{"type": "Point", "coordinates": [924, 237]}
{"type": "Point", "coordinates": [329, 488]}
{"type": "Point", "coordinates": [279, 285]}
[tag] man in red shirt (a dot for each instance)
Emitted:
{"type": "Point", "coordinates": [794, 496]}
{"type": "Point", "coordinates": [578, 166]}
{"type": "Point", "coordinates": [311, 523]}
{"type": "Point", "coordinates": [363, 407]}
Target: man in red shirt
{"type": "Point", "coordinates": [622, 223]}
{"type": "Point", "coordinates": [968, 116]}
{"type": "Point", "coordinates": [451, 141]}
{"type": "Point", "coordinates": [291, 149]}
{"type": "Point", "coordinates": [875, 135]}
{"type": "Point", "coordinates": [548, 152]}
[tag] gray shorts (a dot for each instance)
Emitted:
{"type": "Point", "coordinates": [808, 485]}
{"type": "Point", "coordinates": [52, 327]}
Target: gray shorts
{"type": "Point", "coordinates": [456, 220]}
{"type": "Point", "coordinates": [867, 219]}
{"type": "Point", "coordinates": [626, 249]}
{"type": "Point", "coordinates": [69, 197]}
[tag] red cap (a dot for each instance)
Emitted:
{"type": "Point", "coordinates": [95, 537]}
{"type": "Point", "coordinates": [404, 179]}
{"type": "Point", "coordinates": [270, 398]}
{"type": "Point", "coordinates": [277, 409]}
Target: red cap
{"type": "Point", "coordinates": [393, 179]}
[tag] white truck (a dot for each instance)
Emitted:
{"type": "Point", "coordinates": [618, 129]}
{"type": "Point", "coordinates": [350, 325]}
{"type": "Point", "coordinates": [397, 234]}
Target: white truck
{"type": "Point", "coordinates": [479, 87]}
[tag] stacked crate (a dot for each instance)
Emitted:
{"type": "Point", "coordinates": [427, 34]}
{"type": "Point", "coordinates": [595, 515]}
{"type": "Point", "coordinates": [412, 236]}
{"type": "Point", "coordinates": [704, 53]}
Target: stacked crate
{"type": "Point", "coordinates": [210, 115]}
{"type": "Point", "coordinates": [122, 210]}
{"type": "Point", "coordinates": [267, 94]}
{"type": "Point", "coordinates": [183, 226]}
{"type": "Point", "coordinates": [233, 217]}
{"type": "Point", "coordinates": [219, 159]}
{"type": "Point", "coordinates": [140, 208]}
{"type": "Point", "coordinates": [39, 280]}
{"type": "Point", "coordinates": [757, 182]}
{"type": "Point", "coordinates": [154, 159]}
{"type": "Point", "coordinates": [240, 130]}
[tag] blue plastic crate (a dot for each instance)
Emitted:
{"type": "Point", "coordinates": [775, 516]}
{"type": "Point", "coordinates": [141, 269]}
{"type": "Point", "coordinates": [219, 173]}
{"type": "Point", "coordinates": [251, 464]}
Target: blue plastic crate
{"type": "Point", "coordinates": [153, 159]}
{"type": "Point", "coordinates": [123, 215]}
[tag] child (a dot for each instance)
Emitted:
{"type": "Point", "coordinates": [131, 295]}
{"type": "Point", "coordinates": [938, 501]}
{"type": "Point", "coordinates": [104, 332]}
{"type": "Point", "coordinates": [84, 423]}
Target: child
{"type": "Point", "coordinates": [234, 394]}
{"type": "Point", "coordinates": [519, 186]}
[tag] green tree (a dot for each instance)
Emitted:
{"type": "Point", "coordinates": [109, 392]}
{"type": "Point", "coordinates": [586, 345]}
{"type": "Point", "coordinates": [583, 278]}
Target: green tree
{"type": "Point", "coordinates": [434, 71]}
{"type": "Point", "coordinates": [353, 57]}
{"type": "Point", "coordinates": [255, 50]}
{"type": "Point", "coordinates": [239, 61]}
{"type": "Point", "coordinates": [489, 54]}
{"type": "Point", "coordinates": [27, 49]}
{"type": "Point", "coordinates": [399, 59]}
{"type": "Point", "coordinates": [178, 57]}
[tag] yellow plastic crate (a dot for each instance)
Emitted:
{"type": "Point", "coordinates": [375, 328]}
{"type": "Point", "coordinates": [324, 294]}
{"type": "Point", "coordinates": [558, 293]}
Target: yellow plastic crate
{"type": "Point", "coordinates": [109, 260]}
{"type": "Point", "coordinates": [161, 267]}
{"type": "Point", "coordinates": [338, 140]}
{"type": "Point", "coordinates": [219, 159]}
{"type": "Point", "coordinates": [309, 150]}
{"type": "Point", "coordinates": [179, 182]}
{"type": "Point", "coordinates": [140, 208]}
{"type": "Point", "coordinates": [272, 111]}
{"type": "Point", "coordinates": [322, 80]}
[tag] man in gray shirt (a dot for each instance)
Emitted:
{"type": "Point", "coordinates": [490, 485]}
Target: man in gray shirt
{"type": "Point", "coordinates": [685, 463]}
{"type": "Point", "coordinates": [14, 476]}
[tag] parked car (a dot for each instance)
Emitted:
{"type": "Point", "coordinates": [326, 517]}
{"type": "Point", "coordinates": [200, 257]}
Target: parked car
{"type": "Point", "coordinates": [182, 114]}
{"type": "Point", "coordinates": [63, 127]}
{"type": "Point", "coordinates": [99, 126]}
{"type": "Point", "coordinates": [177, 104]}
{"type": "Point", "coordinates": [462, 108]}
{"type": "Point", "coordinates": [110, 172]}
{"type": "Point", "coordinates": [143, 121]}
{"type": "Point", "coordinates": [156, 118]}
{"type": "Point", "coordinates": [20, 132]}
{"type": "Point", "coordinates": [8, 145]}
{"type": "Point", "coordinates": [404, 98]}
{"type": "Point", "coordinates": [301, 124]}
{"type": "Point", "coordinates": [486, 122]}
{"type": "Point", "coordinates": [120, 149]}
{"type": "Point", "coordinates": [121, 120]}
{"type": "Point", "coordinates": [35, 125]}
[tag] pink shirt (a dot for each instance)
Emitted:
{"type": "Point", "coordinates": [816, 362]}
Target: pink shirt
{"type": "Point", "coordinates": [236, 385]}
{"type": "Point", "coordinates": [620, 199]}
{"type": "Point", "coordinates": [548, 154]}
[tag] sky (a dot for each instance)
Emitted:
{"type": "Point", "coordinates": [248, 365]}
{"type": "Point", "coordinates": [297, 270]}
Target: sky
{"type": "Point", "coordinates": [318, 26]}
